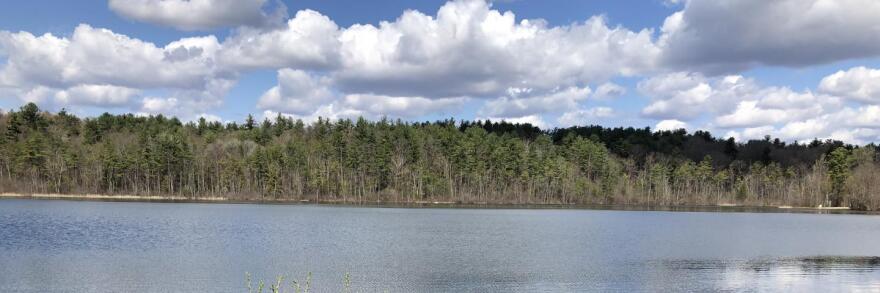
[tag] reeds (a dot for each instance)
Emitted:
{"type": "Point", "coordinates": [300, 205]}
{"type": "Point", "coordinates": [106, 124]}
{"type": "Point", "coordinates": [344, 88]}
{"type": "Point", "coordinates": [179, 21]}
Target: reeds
{"type": "Point", "coordinates": [298, 287]}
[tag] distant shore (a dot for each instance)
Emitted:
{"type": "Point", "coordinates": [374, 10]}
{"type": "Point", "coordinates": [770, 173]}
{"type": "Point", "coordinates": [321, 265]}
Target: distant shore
{"type": "Point", "coordinates": [724, 207]}
{"type": "Point", "coordinates": [103, 197]}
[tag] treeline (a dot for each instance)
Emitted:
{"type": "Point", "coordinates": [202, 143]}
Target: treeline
{"type": "Point", "coordinates": [449, 161]}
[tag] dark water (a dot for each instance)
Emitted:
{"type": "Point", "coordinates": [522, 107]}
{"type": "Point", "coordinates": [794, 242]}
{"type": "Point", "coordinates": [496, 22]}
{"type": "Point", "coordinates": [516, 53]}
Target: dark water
{"type": "Point", "coordinates": [65, 246]}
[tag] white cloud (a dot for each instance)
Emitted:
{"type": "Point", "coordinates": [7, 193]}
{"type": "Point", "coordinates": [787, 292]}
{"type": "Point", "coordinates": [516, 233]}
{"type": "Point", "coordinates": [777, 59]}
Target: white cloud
{"type": "Point", "coordinates": [791, 115]}
{"type": "Point", "coordinates": [672, 2]}
{"type": "Point", "coordinates": [98, 67]}
{"type": "Point", "coordinates": [670, 124]}
{"type": "Point", "coordinates": [38, 95]}
{"type": "Point", "coordinates": [516, 105]}
{"type": "Point", "coordinates": [306, 96]}
{"type": "Point", "coordinates": [749, 113]}
{"type": "Point", "coordinates": [862, 117]}
{"type": "Point", "coordinates": [523, 70]}
{"type": "Point", "coordinates": [746, 110]}
{"type": "Point", "coordinates": [534, 120]}
{"type": "Point", "coordinates": [465, 50]}
{"type": "Point", "coordinates": [585, 116]}
{"type": "Point", "coordinates": [859, 136]}
{"type": "Point", "coordinates": [209, 117]}
{"type": "Point", "coordinates": [804, 130]}
{"type": "Point", "coordinates": [758, 132]}
{"type": "Point", "coordinates": [297, 92]}
{"type": "Point", "coordinates": [199, 14]}
{"type": "Point", "coordinates": [732, 101]}
{"type": "Point", "coordinates": [859, 83]}
{"type": "Point", "coordinates": [609, 90]}
{"type": "Point", "coordinates": [96, 95]}
{"type": "Point", "coordinates": [418, 64]}
{"type": "Point", "coordinates": [308, 41]}
{"type": "Point", "coordinates": [407, 107]}
{"type": "Point", "coordinates": [853, 125]}
{"type": "Point", "coordinates": [157, 105]}
{"type": "Point", "coordinates": [329, 111]}
{"type": "Point", "coordinates": [677, 95]}
{"type": "Point", "coordinates": [468, 48]}
{"type": "Point", "coordinates": [99, 56]}
{"type": "Point", "coordinates": [731, 35]}
{"type": "Point", "coordinates": [785, 98]}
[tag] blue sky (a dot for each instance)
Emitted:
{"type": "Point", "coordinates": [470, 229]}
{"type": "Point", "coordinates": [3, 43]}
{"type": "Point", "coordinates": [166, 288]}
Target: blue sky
{"type": "Point", "coordinates": [792, 69]}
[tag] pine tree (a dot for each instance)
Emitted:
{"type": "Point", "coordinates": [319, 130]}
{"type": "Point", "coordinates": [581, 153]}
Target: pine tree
{"type": "Point", "coordinates": [839, 163]}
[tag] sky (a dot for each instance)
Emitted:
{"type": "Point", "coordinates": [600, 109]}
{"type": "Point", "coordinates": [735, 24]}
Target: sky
{"type": "Point", "coordinates": [793, 69]}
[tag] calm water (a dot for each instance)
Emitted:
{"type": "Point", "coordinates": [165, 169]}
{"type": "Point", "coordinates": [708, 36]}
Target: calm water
{"type": "Point", "coordinates": [65, 246]}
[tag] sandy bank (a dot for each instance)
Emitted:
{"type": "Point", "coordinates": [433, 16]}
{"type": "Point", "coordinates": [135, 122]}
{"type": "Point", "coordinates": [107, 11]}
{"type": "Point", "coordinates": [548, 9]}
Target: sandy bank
{"type": "Point", "coordinates": [120, 197]}
{"type": "Point", "coordinates": [155, 198]}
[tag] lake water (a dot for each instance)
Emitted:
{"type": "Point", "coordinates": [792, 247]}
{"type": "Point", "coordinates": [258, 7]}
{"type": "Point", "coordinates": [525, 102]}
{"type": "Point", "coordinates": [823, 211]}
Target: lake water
{"type": "Point", "coordinates": [69, 246]}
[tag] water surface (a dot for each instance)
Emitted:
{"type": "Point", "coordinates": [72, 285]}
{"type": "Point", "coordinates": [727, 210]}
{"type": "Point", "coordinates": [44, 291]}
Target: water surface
{"type": "Point", "coordinates": [70, 246]}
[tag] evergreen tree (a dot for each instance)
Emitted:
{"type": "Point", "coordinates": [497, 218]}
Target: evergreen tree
{"type": "Point", "coordinates": [447, 160]}
{"type": "Point", "coordinates": [839, 163]}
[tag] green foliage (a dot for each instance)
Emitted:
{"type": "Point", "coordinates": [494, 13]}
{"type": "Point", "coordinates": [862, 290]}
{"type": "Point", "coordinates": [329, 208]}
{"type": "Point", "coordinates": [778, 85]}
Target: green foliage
{"type": "Point", "coordinates": [32, 155]}
{"type": "Point", "coordinates": [840, 162]}
{"type": "Point", "coordinates": [741, 190]}
{"type": "Point", "coordinates": [443, 161]}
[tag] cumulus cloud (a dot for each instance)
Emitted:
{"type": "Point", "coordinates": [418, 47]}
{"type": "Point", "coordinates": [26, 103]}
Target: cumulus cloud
{"type": "Point", "coordinates": [744, 109]}
{"type": "Point", "coordinates": [462, 52]}
{"type": "Point", "coordinates": [747, 114]}
{"type": "Point", "coordinates": [95, 56]}
{"type": "Point", "coordinates": [300, 94]}
{"type": "Point", "coordinates": [670, 124]}
{"type": "Point", "coordinates": [98, 67]}
{"type": "Point", "coordinates": [853, 125]}
{"type": "Point", "coordinates": [37, 94]}
{"type": "Point", "coordinates": [859, 83]}
{"type": "Point", "coordinates": [764, 108]}
{"type": "Point", "coordinates": [733, 101]}
{"type": "Point", "coordinates": [523, 102]}
{"type": "Point", "coordinates": [209, 117]}
{"type": "Point", "coordinates": [308, 41]}
{"type": "Point", "coordinates": [534, 120]}
{"type": "Point", "coordinates": [297, 92]}
{"type": "Point", "coordinates": [731, 35]}
{"type": "Point", "coordinates": [465, 50]}
{"type": "Point", "coordinates": [468, 48]}
{"type": "Point", "coordinates": [609, 90]}
{"type": "Point", "coordinates": [199, 14]}
{"type": "Point", "coordinates": [96, 95]}
{"type": "Point", "coordinates": [428, 64]}
{"type": "Point", "coordinates": [585, 116]}
{"type": "Point", "coordinates": [805, 130]}
{"type": "Point", "coordinates": [102, 96]}
{"type": "Point", "coordinates": [169, 106]}
{"type": "Point", "coordinates": [159, 105]}
{"type": "Point", "coordinates": [861, 117]}
{"type": "Point", "coordinates": [374, 107]}
{"type": "Point", "coordinates": [407, 107]}
{"type": "Point", "coordinates": [683, 95]}
{"type": "Point", "coordinates": [330, 111]}
{"type": "Point", "coordinates": [795, 111]}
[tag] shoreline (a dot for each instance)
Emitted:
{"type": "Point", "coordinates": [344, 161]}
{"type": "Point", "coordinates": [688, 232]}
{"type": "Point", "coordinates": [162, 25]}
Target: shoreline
{"type": "Point", "coordinates": [723, 207]}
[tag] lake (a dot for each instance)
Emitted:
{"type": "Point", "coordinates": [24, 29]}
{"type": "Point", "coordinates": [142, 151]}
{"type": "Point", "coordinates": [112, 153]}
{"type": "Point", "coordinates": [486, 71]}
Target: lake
{"type": "Point", "coordinates": [73, 246]}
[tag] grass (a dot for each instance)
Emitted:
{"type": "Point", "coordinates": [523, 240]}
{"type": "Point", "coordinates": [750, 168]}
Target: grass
{"type": "Point", "coordinates": [279, 286]}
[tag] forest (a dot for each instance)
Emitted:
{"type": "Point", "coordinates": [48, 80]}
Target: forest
{"type": "Point", "coordinates": [359, 161]}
